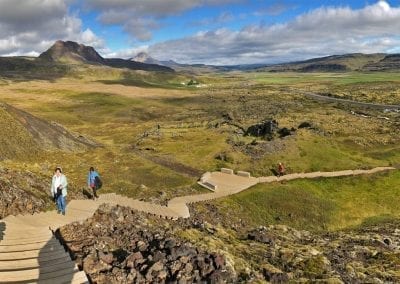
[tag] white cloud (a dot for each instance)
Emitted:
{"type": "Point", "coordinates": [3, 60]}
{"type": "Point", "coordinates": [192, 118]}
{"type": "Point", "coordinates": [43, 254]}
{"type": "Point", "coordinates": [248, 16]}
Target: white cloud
{"type": "Point", "coordinates": [32, 26]}
{"type": "Point", "coordinates": [320, 32]}
{"type": "Point", "coordinates": [222, 18]}
{"type": "Point", "coordinates": [140, 18]}
{"type": "Point", "coordinates": [274, 9]}
{"type": "Point", "coordinates": [125, 53]}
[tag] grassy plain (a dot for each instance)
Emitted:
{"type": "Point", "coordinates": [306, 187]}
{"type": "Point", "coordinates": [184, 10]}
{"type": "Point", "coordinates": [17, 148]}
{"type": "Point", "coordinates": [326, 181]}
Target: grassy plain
{"type": "Point", "coordinates": [140, 118]}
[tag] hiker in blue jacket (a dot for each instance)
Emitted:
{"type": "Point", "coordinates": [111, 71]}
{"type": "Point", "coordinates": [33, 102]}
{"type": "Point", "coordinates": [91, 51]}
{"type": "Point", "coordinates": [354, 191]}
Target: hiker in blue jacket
{"type": "Point", "coordinates": [91, 181]}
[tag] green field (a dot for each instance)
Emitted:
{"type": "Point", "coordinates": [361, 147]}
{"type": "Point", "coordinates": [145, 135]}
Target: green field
{"type": "Point", "coordinates": [317, 205]}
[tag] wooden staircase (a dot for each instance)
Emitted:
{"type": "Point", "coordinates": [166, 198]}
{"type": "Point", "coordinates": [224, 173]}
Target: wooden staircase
{"type": "Point", "coordinates": [29, 252]}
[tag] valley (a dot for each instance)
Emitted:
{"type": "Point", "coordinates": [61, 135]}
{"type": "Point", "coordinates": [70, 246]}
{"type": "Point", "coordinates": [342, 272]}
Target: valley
{"type": "Point", "coordinates": [151, 135]}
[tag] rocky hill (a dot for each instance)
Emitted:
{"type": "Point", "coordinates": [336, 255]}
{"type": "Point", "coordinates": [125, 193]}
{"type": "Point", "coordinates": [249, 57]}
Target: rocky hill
{"type": "Point", "coordinates": [69, 51]}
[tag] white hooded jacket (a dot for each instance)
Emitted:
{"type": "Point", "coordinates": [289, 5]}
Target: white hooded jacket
{"type": "Point", "coordinates": [63, 182]}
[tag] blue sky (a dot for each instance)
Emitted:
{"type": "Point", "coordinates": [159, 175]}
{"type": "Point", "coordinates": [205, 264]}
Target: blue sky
{"type": "Point", "coordinates": [203, 31]}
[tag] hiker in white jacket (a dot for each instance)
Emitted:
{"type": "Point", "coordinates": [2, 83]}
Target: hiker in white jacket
{"type": "Point", "coordinates": [59, 189]}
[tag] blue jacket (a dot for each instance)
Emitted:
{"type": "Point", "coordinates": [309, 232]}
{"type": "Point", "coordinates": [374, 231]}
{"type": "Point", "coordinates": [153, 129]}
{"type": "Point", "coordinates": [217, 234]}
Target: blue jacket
{"type": "Point", "coordinates": [91, 176]}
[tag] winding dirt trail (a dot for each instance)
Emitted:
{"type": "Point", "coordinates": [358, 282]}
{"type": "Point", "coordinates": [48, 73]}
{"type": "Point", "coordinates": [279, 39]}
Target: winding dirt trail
{"type": "Point", "coordinates": [30, 253]}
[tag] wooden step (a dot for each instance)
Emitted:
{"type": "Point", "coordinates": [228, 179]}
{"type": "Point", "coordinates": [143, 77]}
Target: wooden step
{"type": "Point", "coordinates": [19, 236]}
{"type": "Point", "coordinates": [14, 221]}
{"type": "Point", "coordinates": [59, 252]}
{"type": "Point", "coordinates": [11, 233]}
{"type": "Point", "coordinates": [78, 277]}
{"type": "Point", "coordinates": [30, 263]}
{"type": "Point", "coordinates": [36, 275]}
{"type": "Point", "coordinates": [43, 246]}
{"type": "Point", "coordinates": [43, 239]}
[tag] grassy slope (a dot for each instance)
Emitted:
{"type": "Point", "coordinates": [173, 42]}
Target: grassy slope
{"type": "Point", "coordinates": [13, 133]}
{"type": "Point", "coordinates": [321, 204]}
{"type": "Point", "coordinates": [113, 119]}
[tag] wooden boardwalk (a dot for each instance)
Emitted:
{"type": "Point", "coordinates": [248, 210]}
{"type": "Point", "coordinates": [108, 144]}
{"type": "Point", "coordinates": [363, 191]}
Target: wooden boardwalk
{"type": "Point", "coordinates": [29, 253]}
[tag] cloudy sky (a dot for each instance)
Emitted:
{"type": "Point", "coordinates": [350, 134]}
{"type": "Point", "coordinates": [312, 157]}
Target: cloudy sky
{"type": "Point", "coordinates": [203, 31]}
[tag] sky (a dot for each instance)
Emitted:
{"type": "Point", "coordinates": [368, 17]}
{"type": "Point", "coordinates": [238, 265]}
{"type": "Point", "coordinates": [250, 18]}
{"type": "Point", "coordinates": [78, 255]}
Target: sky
{"type": "Point", "coordinates": [218, 32]}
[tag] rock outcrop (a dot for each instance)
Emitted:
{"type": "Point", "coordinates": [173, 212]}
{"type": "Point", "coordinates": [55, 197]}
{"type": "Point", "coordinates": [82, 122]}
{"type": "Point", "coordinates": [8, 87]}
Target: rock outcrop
{"type": "Point", "coordinates": [268, 129]}
{"type": "Point", "coordinates": [118, 245]}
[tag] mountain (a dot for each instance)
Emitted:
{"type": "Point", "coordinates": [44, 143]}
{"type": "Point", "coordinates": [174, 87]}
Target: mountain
{"type": "Point", "coordinates": [70, 51]}
{"type": "Point", "coordinates": [73, 52]}
{"type": "Point", "coordinates": [143, 57]}
{"type": "Point", "coordinates": [334, 63]}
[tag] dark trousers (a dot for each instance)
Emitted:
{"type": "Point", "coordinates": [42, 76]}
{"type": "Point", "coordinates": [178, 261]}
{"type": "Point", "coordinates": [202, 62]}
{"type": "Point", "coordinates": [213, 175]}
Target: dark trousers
{"type": "Point", "coordinates": [94, 189]}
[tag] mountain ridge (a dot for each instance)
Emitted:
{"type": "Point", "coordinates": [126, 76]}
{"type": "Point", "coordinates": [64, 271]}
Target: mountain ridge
{"type": "Point", "coordinates": [73, 52]}
{"type": "Point", "coordinates": [339, 63]}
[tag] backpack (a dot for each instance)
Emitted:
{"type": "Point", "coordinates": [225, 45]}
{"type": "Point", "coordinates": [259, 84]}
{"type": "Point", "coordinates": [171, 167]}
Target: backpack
{"type": "Point", "coordinates": [97, 182]}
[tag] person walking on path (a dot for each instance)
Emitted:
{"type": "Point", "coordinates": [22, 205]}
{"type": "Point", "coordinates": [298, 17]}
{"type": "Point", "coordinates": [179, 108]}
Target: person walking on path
{"type": "Point", "coordinates": [91, 180]}
{"type": "Point", "coordinates": [59, 189]}
{"type": "Point", "coordinates": [281, 169]}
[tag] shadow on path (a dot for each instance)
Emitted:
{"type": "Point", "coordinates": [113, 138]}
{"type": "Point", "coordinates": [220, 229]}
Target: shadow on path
{"type": "Point", "coordinates": [55, 265]}
{"type": "Point", "coordinates": [2, 229]}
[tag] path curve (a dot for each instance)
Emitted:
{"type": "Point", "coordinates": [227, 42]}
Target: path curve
{"type": "Point", "coordinates": [30, 253]}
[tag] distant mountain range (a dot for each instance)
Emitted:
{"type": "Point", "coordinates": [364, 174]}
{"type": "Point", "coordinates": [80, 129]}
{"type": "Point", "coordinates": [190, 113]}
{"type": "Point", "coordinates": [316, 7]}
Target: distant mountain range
{"type": "Point", "coordinates": [341, 63]}
{"type": "Point", "coordinates": [334, 63]}
{"type": "Point", "coordinates": [69, 52]}
{"type": "Point", "coordinates": [144, 57]}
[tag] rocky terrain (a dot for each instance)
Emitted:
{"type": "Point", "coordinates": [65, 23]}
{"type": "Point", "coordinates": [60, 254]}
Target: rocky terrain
{"type": "Point", "coordinates": [118, 245]}
{"type": "Point", "coordinates": [22, 192]}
